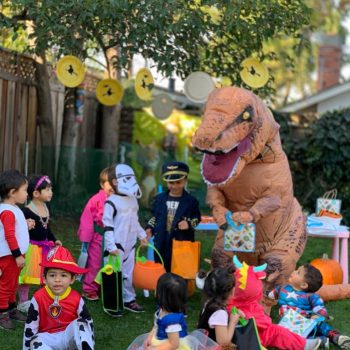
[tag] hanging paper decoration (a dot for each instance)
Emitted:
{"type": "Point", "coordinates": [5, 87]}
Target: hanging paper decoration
{"type": "Point", "coordinates": [144, 84]}
{"type": "Point", "coordinates": [70, 71]}
{"type": "Point", "coordinates": [109, 92]}
{"type": "Point", "coordinates": [162, 106]}
{"type": "Point", "coordinates": [254, 73]}
{"type": "Point", "coordinates": [198, 86]}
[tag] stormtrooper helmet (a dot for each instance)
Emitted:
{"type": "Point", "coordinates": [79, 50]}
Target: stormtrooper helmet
{"type": "Point", "coordinates": [127, 183]}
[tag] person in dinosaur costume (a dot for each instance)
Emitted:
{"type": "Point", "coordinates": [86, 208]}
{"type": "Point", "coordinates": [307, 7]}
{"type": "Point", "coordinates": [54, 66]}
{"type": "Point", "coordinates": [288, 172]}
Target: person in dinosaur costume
{"type": "Point", "coordinates": [247, 173]}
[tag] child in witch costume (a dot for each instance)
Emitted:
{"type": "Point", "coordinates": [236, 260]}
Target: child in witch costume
{"type": "Point", "coordinates": [122, 228]}
{"type": "Point", "coordinates": [175, 212]}
{"type": "Point", "coordinates": [57, 316]}
{"type": "Point", "coordinates": [41, 237]}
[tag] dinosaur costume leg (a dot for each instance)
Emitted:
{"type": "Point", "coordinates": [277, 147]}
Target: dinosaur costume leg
{"type": "Point", "coordinates": [282, 257]}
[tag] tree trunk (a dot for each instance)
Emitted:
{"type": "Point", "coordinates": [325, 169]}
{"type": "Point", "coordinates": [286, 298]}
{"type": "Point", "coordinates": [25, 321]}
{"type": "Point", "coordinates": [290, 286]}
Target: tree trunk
{"type": "Point", "coordinates": [111, 115]}
{"type": "Point", "coordinates": [45, 118]}
{"type": "Point", "coordinates": [68, 151]}
{"type": "Point", "coordinates": [70, 128]}
{"type": "Point", "coordinates": [110, 128]}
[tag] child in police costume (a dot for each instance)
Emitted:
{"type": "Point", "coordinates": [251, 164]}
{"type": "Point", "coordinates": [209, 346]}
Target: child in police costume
{"type": "Point", "coordinates": [175, 212]}
{"type": "Point", "coordinates": [57, 316]}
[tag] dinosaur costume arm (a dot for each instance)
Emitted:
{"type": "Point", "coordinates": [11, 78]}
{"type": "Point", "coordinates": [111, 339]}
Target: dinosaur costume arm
{"type": "Point", "coordinates": [264, 206]}
{"type": "Point", "coordinates": [216, 201]}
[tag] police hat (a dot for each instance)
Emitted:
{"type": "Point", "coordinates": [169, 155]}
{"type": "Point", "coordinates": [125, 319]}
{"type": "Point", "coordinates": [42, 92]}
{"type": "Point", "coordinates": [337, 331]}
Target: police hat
{"type": "Point", "coordinates": [174, 171]}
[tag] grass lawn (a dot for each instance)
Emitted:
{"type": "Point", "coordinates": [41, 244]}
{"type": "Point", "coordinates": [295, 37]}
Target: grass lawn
{"type": "Point", "coordinates": [117, 333]}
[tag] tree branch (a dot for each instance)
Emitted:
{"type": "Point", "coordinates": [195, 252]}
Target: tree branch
{"type": "Point", "coordinates": [97, 61]}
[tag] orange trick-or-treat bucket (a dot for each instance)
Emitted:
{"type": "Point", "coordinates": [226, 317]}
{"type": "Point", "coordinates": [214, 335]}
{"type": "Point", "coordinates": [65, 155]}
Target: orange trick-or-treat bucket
{"type": "Point", "coordinates": [147, 272]}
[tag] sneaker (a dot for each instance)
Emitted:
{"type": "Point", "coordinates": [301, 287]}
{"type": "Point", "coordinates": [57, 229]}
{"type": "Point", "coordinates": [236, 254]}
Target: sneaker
{"type": "Point", "coordinates": [85, 346]}
{"type": "Point", "coordinates": [133, 306]}
{"type": "Point", "coordinates": [312, 344]}
{"type": "Point", "coordinates": [342, 341]}
{"type": "Point", "coordinates": [113, 313]}
{"type": "Point", "coordinates": [5, 322]}
{"type": "Point", "coordinates": [91, 296]}
{"type": "Point", "coordinates": [16, 315]}
{"type": "Point", "coordinates": [23, 307]}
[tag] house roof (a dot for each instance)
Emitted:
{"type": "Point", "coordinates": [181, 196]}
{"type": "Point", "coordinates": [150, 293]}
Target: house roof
{"type": "Point", "coordinates": [317, 98]}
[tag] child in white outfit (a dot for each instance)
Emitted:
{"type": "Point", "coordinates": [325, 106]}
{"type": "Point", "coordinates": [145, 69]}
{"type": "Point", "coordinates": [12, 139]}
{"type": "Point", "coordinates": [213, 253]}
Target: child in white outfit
{"type": "Point", "coordinates": [122, 227]}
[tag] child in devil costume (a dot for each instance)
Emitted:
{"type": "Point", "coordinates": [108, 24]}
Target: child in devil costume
{"type": "Point", "coordinates": [247, 296]}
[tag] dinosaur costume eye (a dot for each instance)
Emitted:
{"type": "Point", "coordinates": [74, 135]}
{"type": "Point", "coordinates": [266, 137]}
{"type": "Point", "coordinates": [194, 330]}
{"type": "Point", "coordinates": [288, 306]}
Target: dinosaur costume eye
{"type": "Point", "coordinates": [246, 115]}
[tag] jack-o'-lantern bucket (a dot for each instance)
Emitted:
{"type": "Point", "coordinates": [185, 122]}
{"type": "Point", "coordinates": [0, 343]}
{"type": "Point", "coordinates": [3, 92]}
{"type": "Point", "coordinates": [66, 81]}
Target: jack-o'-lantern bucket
{"type": "Point", "coordinates": [147, 272]}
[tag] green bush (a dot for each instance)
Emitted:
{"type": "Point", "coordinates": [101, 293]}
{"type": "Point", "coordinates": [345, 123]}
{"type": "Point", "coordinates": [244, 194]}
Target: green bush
{"type": "Point", "coordinates": [319, 157]}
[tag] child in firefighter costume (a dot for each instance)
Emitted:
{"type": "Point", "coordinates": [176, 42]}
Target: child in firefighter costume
{"type": "Point", "coordinates": [57, 316]}
{"type": "Point", "coordinates": [122, 227]}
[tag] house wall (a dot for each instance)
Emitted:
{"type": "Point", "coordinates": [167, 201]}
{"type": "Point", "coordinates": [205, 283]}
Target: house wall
{"type": "Point", "coordinates": [336, 102]}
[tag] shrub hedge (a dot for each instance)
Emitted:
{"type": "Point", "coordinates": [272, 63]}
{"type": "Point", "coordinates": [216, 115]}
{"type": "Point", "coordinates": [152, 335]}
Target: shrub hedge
{"type": "Point", "coordinates": [319, 157]}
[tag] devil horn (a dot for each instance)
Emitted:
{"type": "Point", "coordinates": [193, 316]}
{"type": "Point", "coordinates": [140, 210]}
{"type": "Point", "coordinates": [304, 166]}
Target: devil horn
{"type": "Point", "coordinates": [260, 268]}
{"type": "Point", "coordinates": [237, 263]}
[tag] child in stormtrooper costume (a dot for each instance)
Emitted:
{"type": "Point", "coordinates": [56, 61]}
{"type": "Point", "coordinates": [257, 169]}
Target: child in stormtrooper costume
{"type": "Point", "coordinates": [122, 227]}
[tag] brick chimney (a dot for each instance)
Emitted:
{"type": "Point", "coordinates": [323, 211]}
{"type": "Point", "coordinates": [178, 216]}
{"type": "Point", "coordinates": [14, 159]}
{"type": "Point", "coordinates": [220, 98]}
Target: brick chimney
{"type": "Point", "coordinates": [329, 62]}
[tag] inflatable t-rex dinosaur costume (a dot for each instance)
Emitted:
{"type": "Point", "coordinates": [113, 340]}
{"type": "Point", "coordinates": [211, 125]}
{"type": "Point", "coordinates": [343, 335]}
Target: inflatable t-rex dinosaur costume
{"type": "Point", "coordinates": [247, 172]}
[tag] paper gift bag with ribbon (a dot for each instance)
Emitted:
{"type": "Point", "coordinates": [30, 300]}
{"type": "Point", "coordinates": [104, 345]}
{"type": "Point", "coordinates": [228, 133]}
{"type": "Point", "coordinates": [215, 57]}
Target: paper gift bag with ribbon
{"type": "Point", "coordinates": [110, 278]}
{"type": "Point", "coordinates": [239, 237]}
{"type": "Point", "coordinates": [297, 323]}
{"type": "Point", "coordinates": [329, 202]}
{"type": "Point", "coordinates": [185, 258]}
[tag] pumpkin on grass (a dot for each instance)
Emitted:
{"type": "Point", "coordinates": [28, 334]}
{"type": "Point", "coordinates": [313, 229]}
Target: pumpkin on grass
{"type": "Point", "coordinates": [330, 269]}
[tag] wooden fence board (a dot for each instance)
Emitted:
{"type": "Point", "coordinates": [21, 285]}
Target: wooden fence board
{"type": "Point", "coordinates": [59, 117]}
{"type": "Point", "coordinates": [32, 112]}
{"type": "Point", "coordinates": [9, 126]}
{"type": "Point", "coordinates": [19, 108]}
{"type": "Point", "coordinates": [22, 126]}
{"type": "Point", "coordinates": [2, 122]}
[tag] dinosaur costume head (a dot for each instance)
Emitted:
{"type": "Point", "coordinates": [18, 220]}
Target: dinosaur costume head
{"type": "Point", "coordinates": [235, 129]}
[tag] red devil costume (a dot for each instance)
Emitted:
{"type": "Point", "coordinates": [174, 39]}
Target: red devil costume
{"type": "Point", "coordinates": [247, 296]}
